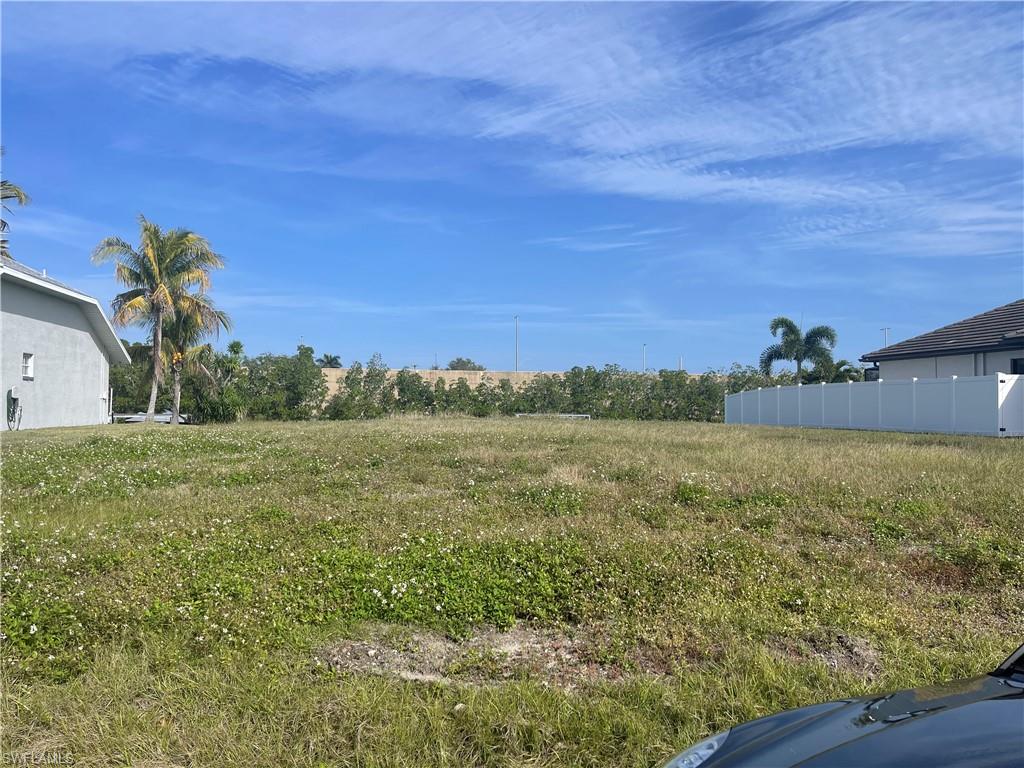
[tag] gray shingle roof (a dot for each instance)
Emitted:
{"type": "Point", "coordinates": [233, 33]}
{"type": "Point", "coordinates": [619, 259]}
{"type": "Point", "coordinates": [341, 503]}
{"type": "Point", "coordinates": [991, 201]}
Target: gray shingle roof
{"type": "Point", "coordinates": [17, 266]}
{"type": "Point", "coordinates": [999, 328]}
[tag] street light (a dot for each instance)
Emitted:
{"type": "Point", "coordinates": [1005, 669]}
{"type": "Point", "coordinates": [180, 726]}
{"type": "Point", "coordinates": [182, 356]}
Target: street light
{"type": "Point", "coordinates": [516, 318]}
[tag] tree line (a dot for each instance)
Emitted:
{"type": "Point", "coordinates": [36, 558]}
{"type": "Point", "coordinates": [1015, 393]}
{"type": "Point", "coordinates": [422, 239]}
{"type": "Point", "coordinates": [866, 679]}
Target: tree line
{"type": "Point", "coordinates": [231, 386]}
{"type": "Point", "coordinates": [610, 392]}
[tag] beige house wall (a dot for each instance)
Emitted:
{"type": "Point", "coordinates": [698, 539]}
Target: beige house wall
{"type": "Point", "coordinates": [944, 366]}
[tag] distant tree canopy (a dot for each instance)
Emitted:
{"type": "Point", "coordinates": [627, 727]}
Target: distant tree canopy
{"type": "Point", "coordinates": [610, 393]}
{"type": "Point", "coordinates": [232, 386]}
{"type": "Point", "coordinates": [329, 361]}
{"type": "Point", "coordinates": [229, 386]}
{"type": "Point", "coordinates": [464, 364]}
{"type": "Point", "coordinates": [829, 371]}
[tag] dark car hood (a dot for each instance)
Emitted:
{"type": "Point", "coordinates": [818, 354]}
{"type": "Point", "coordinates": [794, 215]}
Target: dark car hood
{"type": "Point", "coordinates": [978, 722]}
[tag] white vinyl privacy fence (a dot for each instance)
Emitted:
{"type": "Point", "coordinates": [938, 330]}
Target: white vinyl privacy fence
{"type": "Point", "coordinates": [973, 405]}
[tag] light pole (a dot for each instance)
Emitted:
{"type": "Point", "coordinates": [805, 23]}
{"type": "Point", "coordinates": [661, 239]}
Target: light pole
{"type": "Point", "coordinates": [516, 318]}
{"type": "Point", "coordinates": [644, 370]}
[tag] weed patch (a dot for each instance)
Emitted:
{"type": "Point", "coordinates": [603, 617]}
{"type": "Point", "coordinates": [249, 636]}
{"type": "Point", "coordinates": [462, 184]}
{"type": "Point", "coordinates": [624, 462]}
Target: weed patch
{"type": "Point", "coordinates": [167, 592]}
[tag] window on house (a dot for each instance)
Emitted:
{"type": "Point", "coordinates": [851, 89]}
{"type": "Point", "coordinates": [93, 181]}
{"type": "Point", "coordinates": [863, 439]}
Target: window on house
{"type": "Point", "coordinates": [1017, 365]}
{"type": "Point", "coordinates": [27, 365]}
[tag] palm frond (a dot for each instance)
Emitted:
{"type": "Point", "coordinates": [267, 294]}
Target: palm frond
{"type": "Point", "coordinates": [784, 324]}
{"type": "Point", "coordinates": [127, 275]}
{"type": "Point", "coordinates": [112, 248]}
{"type": "Point", "coordinates": [820, 336]}
{"type": "Point", "coordinates": [162, 298]}
{"type": "Point", "coordinates": [771, 355]}
{"type": "Point", "coordinates": [11, 191]}
{"type": "Point", "coordinates": [131, 308]}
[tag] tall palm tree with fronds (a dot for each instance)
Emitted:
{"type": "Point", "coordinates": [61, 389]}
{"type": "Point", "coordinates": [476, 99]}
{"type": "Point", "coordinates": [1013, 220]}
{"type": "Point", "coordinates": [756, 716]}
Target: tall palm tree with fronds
{"type": "Point", "coordinates": [329, 361]}
{"type": "Point", "coordinates": [195, 318]}
{"type": "Point", "coordinates": [9, 191]}
{"type": "Point", "coordinates": [165, 266]}
{"type": "Point", "coordinates": [796, 345]}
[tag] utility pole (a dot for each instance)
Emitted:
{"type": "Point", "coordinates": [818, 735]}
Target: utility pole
{"type": "Point", "coordinates": [680, 363]}
{"type": "Point", "coordinates": [516, 318]}
{"type": "Point", "coordinates": [645, 359]}
{"type": "Point", "coordinates": [885, 335]}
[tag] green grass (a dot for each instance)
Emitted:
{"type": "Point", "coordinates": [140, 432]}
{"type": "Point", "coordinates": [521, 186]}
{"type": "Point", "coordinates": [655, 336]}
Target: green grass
{"type": "Point", "coordinates": [166, 593]}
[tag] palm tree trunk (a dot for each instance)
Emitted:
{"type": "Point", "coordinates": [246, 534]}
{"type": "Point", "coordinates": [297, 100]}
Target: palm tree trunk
{"type": "Point", "coordinates": [176, 407]}
{"type": "Point", "coordinates": [158, 339]}
{"type": "Point", "coordinates": [799, 369]}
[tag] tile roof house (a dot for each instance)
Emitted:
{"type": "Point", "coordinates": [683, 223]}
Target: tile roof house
{"type": "Point", "coordinates": [56, 349]}
{"type": "Point", "coordinates": [992, 342]}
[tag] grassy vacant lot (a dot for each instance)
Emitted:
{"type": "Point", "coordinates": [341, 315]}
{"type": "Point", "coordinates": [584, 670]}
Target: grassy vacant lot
{"type": "Point", "coordinates": [338, 593]}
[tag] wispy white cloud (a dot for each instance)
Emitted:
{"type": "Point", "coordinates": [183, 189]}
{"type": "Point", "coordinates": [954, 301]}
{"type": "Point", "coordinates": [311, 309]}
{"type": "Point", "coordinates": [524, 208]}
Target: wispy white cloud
{"type": "Point", "coordinates": [267, 301]}
{"type": "Point", "coordinates": [56, 226]}
{"type": "Point", "coordinates": [588, 245]}
{"type": "Point", "coordinates": [414, 217]}
{"type": "Point", "coordinates": [793, 106]}
{"type": "Point", "coordinates": [610, 238]}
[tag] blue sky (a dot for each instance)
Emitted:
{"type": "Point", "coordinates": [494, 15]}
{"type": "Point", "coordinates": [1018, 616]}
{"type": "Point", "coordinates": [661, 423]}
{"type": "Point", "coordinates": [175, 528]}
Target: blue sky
{"type": "Point", "coordinates": [406, 178]}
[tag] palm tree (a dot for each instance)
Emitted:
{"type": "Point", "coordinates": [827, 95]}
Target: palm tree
{"type": "Point", "coordinates": [158, 273]}
{"type": "Point", "coordinates": [796, 345]}
{"type": "Point", "coordinates": [195, 318]}
{"type": "Point", "coordinates": [9, 191]}
{"type": "Point", "coordinates": [329, 361]}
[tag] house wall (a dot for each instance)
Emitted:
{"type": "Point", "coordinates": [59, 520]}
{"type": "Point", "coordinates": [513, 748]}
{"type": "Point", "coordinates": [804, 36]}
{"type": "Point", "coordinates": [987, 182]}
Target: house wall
{"type": "Point", "coordinates": [71, 369]}
{"type": "Point", "coordinates": [920, 368]}
{"type": "Point", "coordinates": [941, 367]}
{"type": "Point", "coordinates": [954, 365]}
{"type": "Point", "coordinates": [999, 362]}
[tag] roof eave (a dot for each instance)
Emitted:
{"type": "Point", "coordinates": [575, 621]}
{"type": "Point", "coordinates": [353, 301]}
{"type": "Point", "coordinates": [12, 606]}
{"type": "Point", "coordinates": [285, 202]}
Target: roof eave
{"type": "Point", "coordinates": [115, 349]}
{"type": "Point", "coordinates": [879, 356]}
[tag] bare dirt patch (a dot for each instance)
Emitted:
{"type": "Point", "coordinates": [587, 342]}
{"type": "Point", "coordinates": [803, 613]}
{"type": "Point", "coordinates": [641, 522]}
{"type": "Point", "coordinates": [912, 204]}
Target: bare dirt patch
{"type": "Point", "coordinates": [488, 656]}
{"type": "Point", "coordinates": [836, 649]}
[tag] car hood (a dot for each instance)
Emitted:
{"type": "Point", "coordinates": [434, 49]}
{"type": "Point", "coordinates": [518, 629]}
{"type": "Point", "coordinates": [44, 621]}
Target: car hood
{"type": "Point", "coordinates": [978, 722]}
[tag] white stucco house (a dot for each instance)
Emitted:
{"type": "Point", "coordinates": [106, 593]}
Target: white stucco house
{"type": "Point", "coordinates": [992, 342]}
{"type": "Point", "coordinates": [56, 349]}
